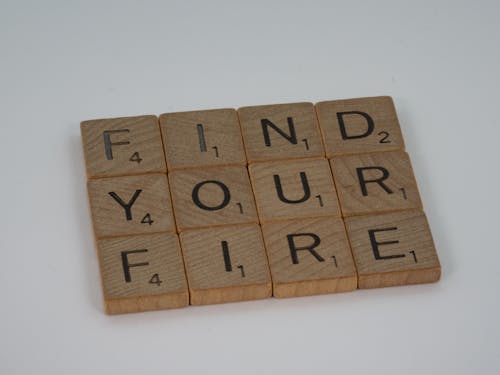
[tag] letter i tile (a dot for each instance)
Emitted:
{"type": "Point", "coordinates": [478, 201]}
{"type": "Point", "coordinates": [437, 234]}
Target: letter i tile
{"type": "Point", "coordinates": [202, 138]}
{"type": "Point", "coordinates": [226, 264]}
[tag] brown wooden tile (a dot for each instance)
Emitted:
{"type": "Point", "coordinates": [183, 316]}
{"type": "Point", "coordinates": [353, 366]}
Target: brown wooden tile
{"type": "Point", "coordinates": [130, 205]}
{"type": "Point", "coordinates": [354, 126]}
{"type": "Point", "coordinates": [309, 256]}
{"type": "Point", "coordinates": [141, 273]}
{"type": "Point", "coordinates": [122, 146]}
{"type": "Point", "coordinates": [375, 183]}
{"type": "Point", "coordinates": [281, 131]}
{"type": "Point", "coordinates": [202, 138]}
{"type": "Point", "coordinates": [393, 249]}
{"type": "Point", "coordinates": [212, 196]}
{"type": "Point", "coordinates": [226, 264]}
{"type": "Point", "coordinates": [294, 189]}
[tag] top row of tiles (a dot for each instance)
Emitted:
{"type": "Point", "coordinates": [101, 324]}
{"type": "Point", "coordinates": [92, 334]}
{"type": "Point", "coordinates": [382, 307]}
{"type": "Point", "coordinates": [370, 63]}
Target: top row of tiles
{"type": "Point", "coordinates": [133, 145]}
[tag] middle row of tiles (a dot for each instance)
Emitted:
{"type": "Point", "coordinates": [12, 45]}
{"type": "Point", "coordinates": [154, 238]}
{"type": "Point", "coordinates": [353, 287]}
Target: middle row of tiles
{"type": "Point", "coordinates": [364, 184]}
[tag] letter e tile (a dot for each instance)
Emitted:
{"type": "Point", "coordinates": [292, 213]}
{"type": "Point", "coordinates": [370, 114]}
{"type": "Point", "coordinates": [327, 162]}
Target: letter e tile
{"type": "Point", "coordinates": [393, 249]}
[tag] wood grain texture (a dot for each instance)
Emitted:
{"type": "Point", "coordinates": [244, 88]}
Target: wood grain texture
{"type": "Point", "coordinates": [393, 249]}
{"type": "Point", "coordinates": [224, 197]}
{"type": "Point", "coordinates": [130, 205]}
{"type": "Point", "coordinates": [330, 269]}
{"type": "Point", "coordinates": [133, 146]}
{"type": "Point", "coordinates": [297, 121]}
{"type": "Point", "coordinates": [230, 170]}
{"type": "Point", "coordinates": [354, 126]}
{"type": "Point", "coordinates": [202, 138]}
{"type": "Point", "coordinates": [226, 264]}
{"type": "Point", "coordinates": [394, 187]}
{"type": "Point", "coordinates": [294, 189]}
{"type": "Point", "coordinates": [156, 278]}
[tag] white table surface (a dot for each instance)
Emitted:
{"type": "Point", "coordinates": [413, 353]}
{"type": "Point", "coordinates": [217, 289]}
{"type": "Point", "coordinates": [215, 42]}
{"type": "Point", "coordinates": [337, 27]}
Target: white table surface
{"type": "Point", "coordinates": [63, 62]}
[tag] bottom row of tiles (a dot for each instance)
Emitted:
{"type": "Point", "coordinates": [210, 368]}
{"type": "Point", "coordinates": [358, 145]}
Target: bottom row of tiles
{"type": "Point", "coordinates": [284, 259]}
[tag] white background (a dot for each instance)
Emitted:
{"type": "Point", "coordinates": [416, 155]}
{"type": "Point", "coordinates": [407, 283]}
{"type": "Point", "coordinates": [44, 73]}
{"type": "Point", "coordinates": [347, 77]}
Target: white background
{"type": "Point", "coordinates": [63, 62]}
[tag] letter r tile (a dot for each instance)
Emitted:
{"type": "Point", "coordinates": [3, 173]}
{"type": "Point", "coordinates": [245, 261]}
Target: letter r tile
{"type": "Point", "coordinates": [393, 249]}
{"type": "Point", "coordinates": [353, 126]}
{"type": "Point", "coordinates": [122, 146]}
{"type": "Point", "coordinates": [212, 196]}
{"type": "Point", "coordinates": [309, 256]}
{"type": "Point", "coordinates": [130, 205]}
{"type": "Point", "coordinates": [280, 131]}
{"type": "Point", "coordinates": [375, 183]}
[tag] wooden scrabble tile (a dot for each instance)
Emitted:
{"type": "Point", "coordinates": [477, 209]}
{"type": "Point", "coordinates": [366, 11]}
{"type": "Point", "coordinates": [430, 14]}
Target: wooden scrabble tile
{"type": "Point", "coordinates": [212, 196]}
{"type": "Point", "coordinates": [281, 131]}
{"type": "Point", "coordinates": [294, 189]}
{"type": "Point", "coordinates": [141, 273]}
{"type": "Point", "coordinates": [375, 183]}
{"type": "Point", "coordinates": [130, 205]}
{"type": "Point", "coordinates": [354, 126]}
{"type": "Point", "coordinates": [309, 256]}
{"type": "Point", "coordinates": [202, 138]}
{"type": "Point", "coordinates": [393, 249]}
{"type": "Point", "coordinates": [226, 264]}
{"type": "Point", "coordinates": [122, 146]}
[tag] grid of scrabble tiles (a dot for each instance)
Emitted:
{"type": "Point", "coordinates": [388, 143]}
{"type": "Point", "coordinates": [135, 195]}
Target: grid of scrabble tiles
{"type": "Point", "coordinates": [226, 205]}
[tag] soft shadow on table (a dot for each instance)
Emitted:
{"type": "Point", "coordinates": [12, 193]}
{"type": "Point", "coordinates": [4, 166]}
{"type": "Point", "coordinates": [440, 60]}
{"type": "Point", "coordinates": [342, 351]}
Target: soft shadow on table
{"type": "Point", "coordinates": [436, 215]}
{"type": "Point", "coordinates": [88, 257]}
{"type": "Point", "coordinates": [85, 242]}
